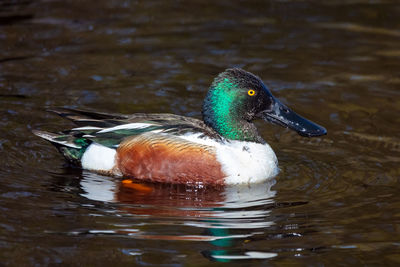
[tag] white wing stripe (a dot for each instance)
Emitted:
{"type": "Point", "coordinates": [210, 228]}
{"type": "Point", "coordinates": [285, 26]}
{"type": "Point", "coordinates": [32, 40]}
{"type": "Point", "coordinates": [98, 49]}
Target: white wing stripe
{"type": "Point", "coordinates": [126, 126]}
{"type": "Point", "coordinates": [84, 128]}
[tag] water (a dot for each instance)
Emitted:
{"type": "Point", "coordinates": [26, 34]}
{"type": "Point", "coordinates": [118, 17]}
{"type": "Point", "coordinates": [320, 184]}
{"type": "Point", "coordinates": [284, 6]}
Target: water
{"type": "Point", "coordinates": [336, 198]}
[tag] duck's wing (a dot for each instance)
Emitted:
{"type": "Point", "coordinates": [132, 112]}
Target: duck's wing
{"type": "Point", "coordinates": [89, 118]}
{"type": "Point", "coordinates": [111, 129]}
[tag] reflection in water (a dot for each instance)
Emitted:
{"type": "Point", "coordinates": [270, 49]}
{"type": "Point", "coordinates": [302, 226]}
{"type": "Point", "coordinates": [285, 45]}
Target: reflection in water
{"type": "Point", "coordinates": [217, 210]}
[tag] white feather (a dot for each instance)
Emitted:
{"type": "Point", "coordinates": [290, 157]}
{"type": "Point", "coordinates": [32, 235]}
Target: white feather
{"type": "Point", "coordinates": [127, 126]}
{"type": "Point", "coordinates": [242, 162]}
{"type": "Point", "coordinates": [247, 162]}
{"type": "Point", "coordinates": [98, 158]}
{"type": "Point", "coordinates": [86, 128]}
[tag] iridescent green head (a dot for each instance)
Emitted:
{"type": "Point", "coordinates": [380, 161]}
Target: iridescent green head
{"type": "Point", "coordinates": [236, 97]}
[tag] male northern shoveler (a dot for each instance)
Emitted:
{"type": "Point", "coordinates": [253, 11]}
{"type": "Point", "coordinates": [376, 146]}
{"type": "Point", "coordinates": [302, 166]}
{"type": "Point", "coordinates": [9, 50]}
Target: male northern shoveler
{"type": "Point", "coordinates": [224, 148]}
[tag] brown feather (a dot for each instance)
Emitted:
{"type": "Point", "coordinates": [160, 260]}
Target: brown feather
{"type": "Point", "coordinates": [166, 158]}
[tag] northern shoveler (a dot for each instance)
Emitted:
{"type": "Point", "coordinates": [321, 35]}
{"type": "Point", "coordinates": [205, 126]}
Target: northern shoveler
{"type": "Point", "coordinates": [223, 148]}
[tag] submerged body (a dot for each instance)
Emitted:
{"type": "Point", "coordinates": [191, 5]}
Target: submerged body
{"type": "Point", "coordinates": [224, 148]}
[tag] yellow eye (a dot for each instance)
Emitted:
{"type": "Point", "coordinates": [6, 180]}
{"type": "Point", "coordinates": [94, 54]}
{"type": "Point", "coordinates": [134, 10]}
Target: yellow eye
{"type": "Point", "coordinates": [251, 92]}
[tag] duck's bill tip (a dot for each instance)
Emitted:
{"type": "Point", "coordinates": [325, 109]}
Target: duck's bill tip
{"type": "Point", "coordinates": [319, 131]}
{"type": "Point", "coordinates": [285, 117]}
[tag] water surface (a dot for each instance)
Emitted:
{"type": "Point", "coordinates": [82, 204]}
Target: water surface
{"type": "Point", "coordinates": [336, 198]}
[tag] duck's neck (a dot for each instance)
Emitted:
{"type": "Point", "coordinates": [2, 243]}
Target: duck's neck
{"type": "Point", "coordinates": [222, 112]}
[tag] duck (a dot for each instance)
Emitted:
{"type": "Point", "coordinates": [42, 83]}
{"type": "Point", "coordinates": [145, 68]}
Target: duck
{"type": "Point", "coordinates": [224, 148]}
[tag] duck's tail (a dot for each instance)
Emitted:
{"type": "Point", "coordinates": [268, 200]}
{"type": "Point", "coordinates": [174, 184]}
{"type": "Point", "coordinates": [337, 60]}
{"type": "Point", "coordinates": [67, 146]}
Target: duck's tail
{"type": "Point", "coordinates": [72, 147]}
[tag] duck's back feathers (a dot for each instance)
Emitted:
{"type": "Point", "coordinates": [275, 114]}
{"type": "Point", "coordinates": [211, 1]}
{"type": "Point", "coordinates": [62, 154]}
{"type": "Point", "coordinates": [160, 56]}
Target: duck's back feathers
{"type": "Point", "coordinates": [119, 126]}
{"type": "Point", "coordinates": [89, 118]}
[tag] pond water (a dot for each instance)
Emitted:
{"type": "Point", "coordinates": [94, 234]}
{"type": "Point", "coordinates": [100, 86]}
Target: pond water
{"type": "Point", "coordinates": [336, 199]}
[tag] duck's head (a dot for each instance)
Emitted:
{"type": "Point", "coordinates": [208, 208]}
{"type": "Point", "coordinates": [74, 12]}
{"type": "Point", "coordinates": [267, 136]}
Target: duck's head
{"type": "Point", "coordinates": [237, 97]}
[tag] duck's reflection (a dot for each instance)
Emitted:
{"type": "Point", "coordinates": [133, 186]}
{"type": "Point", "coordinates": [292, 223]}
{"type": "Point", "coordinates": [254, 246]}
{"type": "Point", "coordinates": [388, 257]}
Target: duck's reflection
{"type": "Point", "coordinates": [227, 214]}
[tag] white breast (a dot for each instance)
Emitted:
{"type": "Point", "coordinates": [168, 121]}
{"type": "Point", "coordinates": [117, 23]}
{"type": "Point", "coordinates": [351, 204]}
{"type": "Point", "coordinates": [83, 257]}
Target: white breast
{"type": "Point", "coordinates": [247, 162]}
{"type": "Point", "coordinates": [242, 162]}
